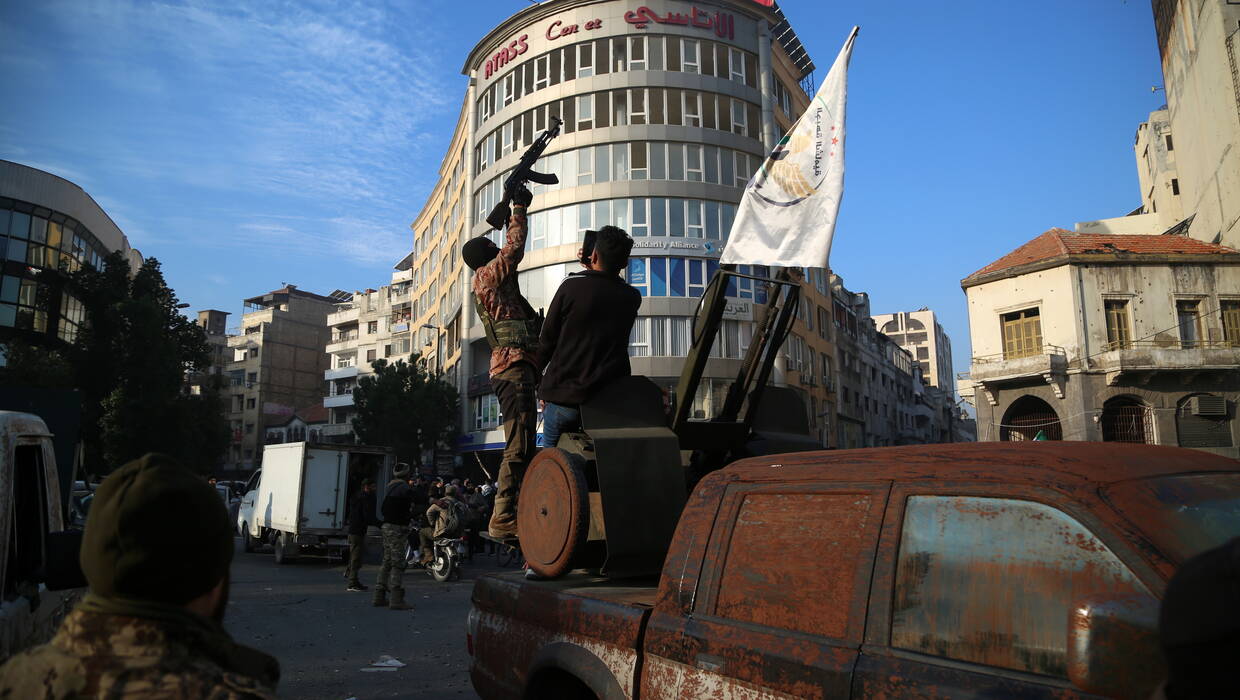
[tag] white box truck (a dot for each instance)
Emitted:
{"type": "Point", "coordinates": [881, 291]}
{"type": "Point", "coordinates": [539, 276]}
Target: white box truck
{"type": "Point", "coordinates": [303, 492]}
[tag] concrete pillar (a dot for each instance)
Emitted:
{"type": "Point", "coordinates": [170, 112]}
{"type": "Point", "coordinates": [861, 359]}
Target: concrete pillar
{"type": "Point", "coordinates": [766, 83]}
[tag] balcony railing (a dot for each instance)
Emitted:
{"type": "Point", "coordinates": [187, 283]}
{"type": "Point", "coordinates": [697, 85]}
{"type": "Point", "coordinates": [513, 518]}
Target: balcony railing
{"type": "Point", "coordinates": [1170, 344]}
{"type": "Point", "coordinates": [1144, 359]}
{"type": "Point", "coordinates": [1007, 356]}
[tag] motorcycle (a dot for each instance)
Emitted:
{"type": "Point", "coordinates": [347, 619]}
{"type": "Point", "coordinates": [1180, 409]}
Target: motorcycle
{"type": "Point", "coordinates": [446, 555]}
{"type": "Point", "coordinates": [446, 561]}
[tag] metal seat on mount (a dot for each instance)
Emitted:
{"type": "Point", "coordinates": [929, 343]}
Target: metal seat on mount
{"type": "Point", "coordinates": [608, 498]}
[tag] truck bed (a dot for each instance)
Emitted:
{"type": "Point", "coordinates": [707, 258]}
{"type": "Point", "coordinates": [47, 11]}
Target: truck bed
{"type": "Point", "coordinates": [529, 627]}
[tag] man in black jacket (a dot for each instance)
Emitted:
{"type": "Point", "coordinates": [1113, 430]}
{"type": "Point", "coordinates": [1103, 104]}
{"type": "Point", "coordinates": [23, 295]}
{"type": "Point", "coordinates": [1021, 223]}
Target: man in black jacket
{"type": "Point", "coordinates": [397, 510]}
{"type": "Point", "coordinates": [584, 341]}
{"type": "Point", "coordinates": [361, 516]}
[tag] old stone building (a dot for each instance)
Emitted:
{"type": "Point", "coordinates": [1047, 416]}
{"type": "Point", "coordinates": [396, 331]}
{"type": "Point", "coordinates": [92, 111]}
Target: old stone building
{"type": "Point", "coordinates": [1130, 338]}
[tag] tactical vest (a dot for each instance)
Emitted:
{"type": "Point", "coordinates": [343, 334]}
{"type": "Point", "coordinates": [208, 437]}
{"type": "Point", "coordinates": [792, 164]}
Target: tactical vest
{"type": "Point", "coordinates": [511, 333]}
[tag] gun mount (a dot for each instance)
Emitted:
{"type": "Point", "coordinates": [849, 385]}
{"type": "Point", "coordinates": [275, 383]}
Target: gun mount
{"type": "Point", "coordinates": [608, 498]}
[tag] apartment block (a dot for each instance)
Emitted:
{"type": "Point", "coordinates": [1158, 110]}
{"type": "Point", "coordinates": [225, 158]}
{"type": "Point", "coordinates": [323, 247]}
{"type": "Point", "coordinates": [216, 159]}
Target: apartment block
{"type": "Point", "coordinates": [1199, 43]}
{"type": "Point", "coordinates": [276, 366]}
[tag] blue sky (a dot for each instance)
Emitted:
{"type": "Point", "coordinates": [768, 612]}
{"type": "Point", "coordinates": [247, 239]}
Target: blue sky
{"type": "Point", "coordinates": [250, 144]}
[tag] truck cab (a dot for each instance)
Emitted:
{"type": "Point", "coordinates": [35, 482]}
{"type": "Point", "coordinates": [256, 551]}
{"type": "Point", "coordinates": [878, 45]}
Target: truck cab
{"type": "Point", "coordinates": [1030, 570]}
{"type": "Point", "coordinates": [30, 512]}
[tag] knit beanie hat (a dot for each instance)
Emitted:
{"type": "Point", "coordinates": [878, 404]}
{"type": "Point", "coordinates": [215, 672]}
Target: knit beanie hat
{"type": "Point", "coordinates": [156, 531]}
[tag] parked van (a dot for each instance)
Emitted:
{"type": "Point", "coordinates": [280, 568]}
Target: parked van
{"type": "Point", "coordinates": [301, 496]}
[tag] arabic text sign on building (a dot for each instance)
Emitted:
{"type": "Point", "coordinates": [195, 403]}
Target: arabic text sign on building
{"type": "Point", "coordinates": [723, 23]}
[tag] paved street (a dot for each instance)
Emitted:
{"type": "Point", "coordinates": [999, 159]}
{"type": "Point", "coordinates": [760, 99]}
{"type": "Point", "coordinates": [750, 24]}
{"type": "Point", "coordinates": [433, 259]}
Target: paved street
{"type": "Point", "coordinates": [323, 635]}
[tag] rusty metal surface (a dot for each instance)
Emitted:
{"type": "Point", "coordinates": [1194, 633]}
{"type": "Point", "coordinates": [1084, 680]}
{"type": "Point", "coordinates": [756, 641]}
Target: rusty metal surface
{"type": "Point", "coordinates": [760, 630]}
{"type": "Point", "coordinates": [554, 511]}
{"type": "Point", "coordinates": [1182, 515]}
{"type": "Point", "coordinates": [992, 581]}
{"type": "Point", "coordinates": [797, 561]}
{"type": "Point", "coordinates": [1062, 465]}
{"type": "Point", "coordinates": [1114, 646]}
{"type": "Point", "coordinates": [517, 618]}
{"type": "Point", "coordinates": [881, 673]}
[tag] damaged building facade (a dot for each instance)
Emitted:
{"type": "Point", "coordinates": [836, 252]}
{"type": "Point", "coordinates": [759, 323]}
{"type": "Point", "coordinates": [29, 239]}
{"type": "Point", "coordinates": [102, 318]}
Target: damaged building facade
{"type": "Point", "coordinates": [1128, 338]}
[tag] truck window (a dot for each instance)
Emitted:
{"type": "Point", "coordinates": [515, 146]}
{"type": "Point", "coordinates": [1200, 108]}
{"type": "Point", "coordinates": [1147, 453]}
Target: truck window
{"type": "Point", "coordinates": [795, 559]}
{"type": "Point", "coordinates": [29, 523]}
{"type": "Point", "coordinates": [991, 581]}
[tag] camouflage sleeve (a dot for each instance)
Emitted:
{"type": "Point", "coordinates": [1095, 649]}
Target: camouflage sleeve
{"type": "Point", "coordinates": [514, 245]}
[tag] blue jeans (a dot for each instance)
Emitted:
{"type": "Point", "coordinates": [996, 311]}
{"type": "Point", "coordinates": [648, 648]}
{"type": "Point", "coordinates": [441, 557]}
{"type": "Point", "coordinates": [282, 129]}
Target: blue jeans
{"type": "Point", "coordinates": [559, 419]}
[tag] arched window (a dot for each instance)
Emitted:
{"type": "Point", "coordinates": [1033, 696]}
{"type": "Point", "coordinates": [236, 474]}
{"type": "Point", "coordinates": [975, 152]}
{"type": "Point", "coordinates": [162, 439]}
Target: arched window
{"type": "Point", "coordinates": [1127, 419]}
{"type": "Point", "coordinates": [1203, 420]}
{"type": "Point", "coordinates": [891, 326]}
{"type": "Point", "coordinates": [1027, 418]}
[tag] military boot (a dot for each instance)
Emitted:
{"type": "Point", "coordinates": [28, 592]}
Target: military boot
{"type": "Point", "coordinates": [381, 598]}
{"type": "Point", "coordinates": [398, 601]}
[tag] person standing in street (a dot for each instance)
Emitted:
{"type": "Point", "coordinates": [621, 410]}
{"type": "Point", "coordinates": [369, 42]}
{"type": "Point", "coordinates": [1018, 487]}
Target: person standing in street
{"type": "Point", "coordinates": [150, 626]}
{"type": "Point", "coordinates": [396, 510]}
{"type": "Point", "coordinates": [361, 518]}
{"type": "Point", "coordinates": [512, 328]}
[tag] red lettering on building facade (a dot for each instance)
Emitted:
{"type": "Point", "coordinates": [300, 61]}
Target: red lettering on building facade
{"type": "Point", "coordinates": [515, 48]}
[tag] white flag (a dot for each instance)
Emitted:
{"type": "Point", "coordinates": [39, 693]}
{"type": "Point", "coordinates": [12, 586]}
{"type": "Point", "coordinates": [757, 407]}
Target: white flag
{"type": "Point", "coordinates": [787, 215]}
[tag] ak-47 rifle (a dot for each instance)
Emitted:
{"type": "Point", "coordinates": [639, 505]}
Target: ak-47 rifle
{"type": "Point", "coordinates": [524, 173]}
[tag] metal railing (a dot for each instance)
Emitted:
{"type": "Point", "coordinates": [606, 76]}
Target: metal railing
{"type": "Point", "coordinates": [1169, 344]}
{"type": "Point", "coordinates": [1020, 354]}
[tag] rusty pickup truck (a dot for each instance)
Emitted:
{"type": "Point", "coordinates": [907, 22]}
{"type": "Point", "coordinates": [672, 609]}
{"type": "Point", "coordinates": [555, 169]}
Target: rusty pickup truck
{"type": "Point", "coordinates": [995, 569]}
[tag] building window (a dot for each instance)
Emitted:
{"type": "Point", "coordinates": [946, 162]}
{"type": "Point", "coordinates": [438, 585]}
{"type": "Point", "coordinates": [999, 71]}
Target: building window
{"type": "Point", "coordinates": [1230, 313]}
{"type": "Point", "coordinates": [1189, 321]}
{"type": "Point", "coordinates": [251, 378]}
{"type": "Point", "coordinates": [1022, 334]}
{"type": "Point", "coordinates": [249, 428]}
{"type": "Point", "coordinates": [689, 56]}
{"type": "Point", "coordinates": [832, 535]}
{"type": "Point", "coordinates": [945, 571]}
{"type": "Point", "coordinates": [370, 355]}
{"type": "Point", "coordinates": [1118, 334]}
{"type": "Point", "coordinates": [1175, 186]}
{"type": "Point", "coordinates": [1170, 146]}
{"type": "Point", "coordinates": [251, 402]}
{"type": "Point", "coordinates": [486, 412]}
{"type": "Point", "coordinates": [372, 327]}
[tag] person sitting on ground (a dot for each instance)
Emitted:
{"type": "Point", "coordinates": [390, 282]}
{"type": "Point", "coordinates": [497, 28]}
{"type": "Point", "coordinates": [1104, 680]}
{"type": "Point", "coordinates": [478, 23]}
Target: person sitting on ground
{"type": "Point", "coordinates": [585, 339]}
{"type": "Point", "coordinates": [150, 625]}
{"type": "Point", "coordinates": [445, 518]}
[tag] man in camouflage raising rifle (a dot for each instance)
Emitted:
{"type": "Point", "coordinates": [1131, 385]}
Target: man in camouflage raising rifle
{"type": "Point", "coordinates": [512, 329]}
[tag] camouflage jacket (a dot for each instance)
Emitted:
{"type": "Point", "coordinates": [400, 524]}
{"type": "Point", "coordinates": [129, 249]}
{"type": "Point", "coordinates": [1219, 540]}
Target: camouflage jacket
{"type": "Point", "coordinates": [97, 654]}
{"type": "Point", "coordinates": [495, 287]}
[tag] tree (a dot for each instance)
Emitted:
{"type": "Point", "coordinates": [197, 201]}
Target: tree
{"type": "Point", "coordinates": [34, 367]}
{"type": "Point", "coordinates": [403, 407]}
{"type": "Point", "coordinates": [130, 362]}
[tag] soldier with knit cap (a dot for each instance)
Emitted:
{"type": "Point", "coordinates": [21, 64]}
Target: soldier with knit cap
{"type": "Point", "coordinates": [151, 624]}
{"type": "Point", "coordinates": [396, 511]}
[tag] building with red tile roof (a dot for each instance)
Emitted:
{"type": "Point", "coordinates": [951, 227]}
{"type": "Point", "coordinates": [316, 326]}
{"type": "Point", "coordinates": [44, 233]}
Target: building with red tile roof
{"type": "Point", "coordinates": [1114, 337]}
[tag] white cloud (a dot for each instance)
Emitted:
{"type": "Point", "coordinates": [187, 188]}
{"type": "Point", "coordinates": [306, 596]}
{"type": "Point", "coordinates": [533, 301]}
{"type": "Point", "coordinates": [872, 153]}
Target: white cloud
{"type": "Point", "coordinates": [282, 106]}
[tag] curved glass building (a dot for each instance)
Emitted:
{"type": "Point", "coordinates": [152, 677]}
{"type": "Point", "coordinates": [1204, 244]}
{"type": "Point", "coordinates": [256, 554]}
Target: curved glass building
{"type": "Point", "coordinates": [667, 108]}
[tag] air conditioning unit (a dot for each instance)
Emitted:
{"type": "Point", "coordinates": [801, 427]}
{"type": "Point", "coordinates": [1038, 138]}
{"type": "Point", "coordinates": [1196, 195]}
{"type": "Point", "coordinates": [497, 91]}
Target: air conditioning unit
{"type": "Point", "coordinates": [1208, 406]}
